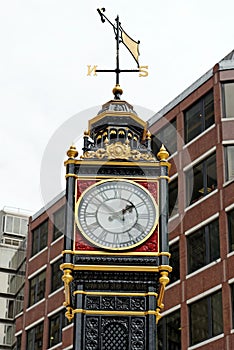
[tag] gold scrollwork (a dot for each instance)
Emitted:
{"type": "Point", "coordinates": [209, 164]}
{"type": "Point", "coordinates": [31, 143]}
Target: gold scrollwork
{"type": "Point", "coordinates": [119, 150]}
{"type": "Point", "coordinates": [163, 280]}
{"type": "Point", "coordinates": [67, 279]}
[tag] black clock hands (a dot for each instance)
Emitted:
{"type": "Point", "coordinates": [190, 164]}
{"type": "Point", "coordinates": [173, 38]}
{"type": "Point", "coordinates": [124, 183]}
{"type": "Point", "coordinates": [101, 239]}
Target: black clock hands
{"type": "Point", "coordinates": [117, 215]}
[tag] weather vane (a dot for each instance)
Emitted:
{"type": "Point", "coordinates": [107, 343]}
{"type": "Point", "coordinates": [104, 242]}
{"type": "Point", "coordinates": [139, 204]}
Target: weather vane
{"type": "Point", "coordinates": [130, 44]}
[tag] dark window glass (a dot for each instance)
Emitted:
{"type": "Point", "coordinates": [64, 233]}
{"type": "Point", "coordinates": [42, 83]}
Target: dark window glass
{"type": "Point", "coordinates": [169, 332]}
{"type": "Point", "coordinates": [175, 262]}
{"type": "Point", "coordinates": [201, 179]}
{"type": "Point", "coordinates": [56, 278]}
{"type": "Point", "coordinates": [230, 215]}
{"type": "Point", "coordinates": [228, 99]}
{"type": "Point", "coordinates": [173, 197]}
{"type": "Point", "coordinates": [229, 162]}
{"type": "Point", "coordinates": [166, 136]}
{"type": "Point", "coordinates": [206, 319]}
{"type": "Point", "coordinates": [203, 246]}
{"type": "Point", "coordinates": [35, 337]}
{"type": "Point", "coordinates": [59, 223]}
{"type": "Point", "coordinates": [18, 342]}
{"type": "Point", "coordinates": [232, 296]}
{"type": "Point", "coordinates": [56, 323]}
{"type": "Point", "coordinates": [37, 288]}
{"type": "Point", "coordinates": [39, 237]}
{"type": "Point", "coordinates": [199, 117]}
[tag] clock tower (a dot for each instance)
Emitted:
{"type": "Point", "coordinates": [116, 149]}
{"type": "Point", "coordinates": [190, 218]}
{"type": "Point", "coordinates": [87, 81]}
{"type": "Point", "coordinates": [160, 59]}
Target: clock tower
{"type": "Point", "coordinates": [116, 256]}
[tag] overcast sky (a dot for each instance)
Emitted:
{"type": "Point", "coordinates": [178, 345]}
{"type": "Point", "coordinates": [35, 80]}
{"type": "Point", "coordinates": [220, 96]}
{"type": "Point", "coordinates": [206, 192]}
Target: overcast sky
{"type": "Point", "coordinates": [46, 97]}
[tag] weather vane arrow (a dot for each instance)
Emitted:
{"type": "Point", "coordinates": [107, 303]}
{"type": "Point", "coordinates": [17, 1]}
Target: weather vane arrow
{"type": "Point", "coordinates": [133, 47]}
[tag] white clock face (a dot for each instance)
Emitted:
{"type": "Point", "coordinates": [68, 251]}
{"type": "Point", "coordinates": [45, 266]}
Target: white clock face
{"type": "Point", "coordinates": [116, 214]}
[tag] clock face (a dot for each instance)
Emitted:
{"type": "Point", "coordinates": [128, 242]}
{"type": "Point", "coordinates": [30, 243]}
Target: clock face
{"type": "Point", "coordinates": [116, 214]}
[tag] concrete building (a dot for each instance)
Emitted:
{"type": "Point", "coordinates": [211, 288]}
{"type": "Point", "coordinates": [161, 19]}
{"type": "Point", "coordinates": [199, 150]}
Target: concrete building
{"type": "Point", "coordinates": [197, 128]}
{"type": "Point", "coordinates": [13, 232]}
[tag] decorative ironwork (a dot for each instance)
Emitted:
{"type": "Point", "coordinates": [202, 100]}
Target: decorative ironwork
{"type": "Point", "coordinates": [118, 150]}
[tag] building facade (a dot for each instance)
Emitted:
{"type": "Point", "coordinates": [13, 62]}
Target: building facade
{"type": "Point", "coordinates": [14, 228]}
{"type": "Point", "coordinates": [197, 128]}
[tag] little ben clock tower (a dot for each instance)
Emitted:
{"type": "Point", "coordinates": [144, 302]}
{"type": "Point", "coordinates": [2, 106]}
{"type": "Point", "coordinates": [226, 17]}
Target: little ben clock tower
{"type": "Point", "coordinates": [116, 259]}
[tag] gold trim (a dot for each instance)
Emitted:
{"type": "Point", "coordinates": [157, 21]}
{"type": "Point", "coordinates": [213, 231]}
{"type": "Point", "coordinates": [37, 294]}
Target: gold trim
{"type": "Point", "coordinates": [155, 205]}
{"type": "Point", "coordinates": [67, 279]}
{"type": "Point", "coordinates": [97, 252]}
{"type": "Point", "coordinates": [119, 150]}
{"type": "Point", "coordinates": [118, 114]}
{"type": "Point", "coordinates": [109, 268]}
{"type": "Point", "coordinates": [113, 312]}
{"type": "Point", "coordinates": [114, 163]}
{"type": "Point", "coordinates": [163, 280]}
{"type": "Point", "coordinates": [71, 175]}
{"type": "Point", "coordinates": [116, 294]}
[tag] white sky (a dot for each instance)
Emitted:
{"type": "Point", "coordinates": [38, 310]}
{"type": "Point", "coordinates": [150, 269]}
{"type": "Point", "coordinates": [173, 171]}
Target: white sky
{"type": "Point", "coordinates": [45, 47]}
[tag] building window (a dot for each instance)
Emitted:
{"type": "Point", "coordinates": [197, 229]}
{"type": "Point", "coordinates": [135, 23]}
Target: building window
{"type": "Point", "coordinates": [206, 319]}
{"type": "Point", "coordinates": [59, 223]}
{"type": "Point", "coordinates": [37, 288]}
{"type": "Point", "coordinates": [169, 332]}
{"type": "Point", "coordinates": [15, 225]}
{"type": "Point", "coordinates": [232, 296]}
{"type": "Point", "coordinates": [229, 162]}
{"type": "Point", "coordinates": [173, 197]}
{"type": "Point", "coordinates": [35, 337]}
{"type": "Point", "coordinates": [39, 237]}
{"type": "Point", "coordinates": [56, 278]}
{"type": "Point", "coordinates": [56, 323]}
{"type": "Point", "coordinates": [175, 262]}
{"type": "Point", "coordinates": [18, 342]}
{"type": "Point", "coordinates": [203, 246]}
{"type": "Point", "coordinates": [199, 117]}
{"type": "Point", "coordinates": [201, 179]}
{"type": "Point", "coordinates": [230, 216]}
{"type": "Point", "coordinates": [166, 136]}
{"type": "Point", "coordinates": [228, 92]}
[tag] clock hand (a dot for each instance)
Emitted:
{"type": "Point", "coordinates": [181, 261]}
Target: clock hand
{"type": "Point", "coordinates": [128, 208]}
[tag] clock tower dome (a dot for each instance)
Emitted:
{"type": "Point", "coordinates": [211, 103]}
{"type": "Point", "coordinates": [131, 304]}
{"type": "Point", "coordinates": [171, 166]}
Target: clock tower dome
{"type": "Point", "coordinates": [116, 259]}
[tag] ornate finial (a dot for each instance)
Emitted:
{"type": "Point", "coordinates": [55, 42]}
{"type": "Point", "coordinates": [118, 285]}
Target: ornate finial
{"type": "Point", "coordinates": [86, 133]}
{"type": "Point", "coordinates": [148, 135]}
{"type": "Point", "coordinates": [163, 154]}
{"type": "Point", "coordinates": [117, 91]}
{"type": "Point", "coordinates": [72, 152]}
{"type": "Point", "coordinates": [106, 141]}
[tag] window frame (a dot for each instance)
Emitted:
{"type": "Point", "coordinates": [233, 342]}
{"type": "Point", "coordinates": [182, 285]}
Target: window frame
{"type": "Point", "coordinates": [35, 331]}
{"type": "Point", "coordinates": [58, 276]}
{"type": "Point", "coordinates": [209, 321]}
{"type": "Point", "coordinates": [159, 137]}
{"type": "Point", "coordinates": [224, 99]}
{"type": "Point", "coordinates": [35, 289]}
{"type": "Point", "coordinates": [173, 197]}
{"type": "Point", "coordinates": [194, 176]}
{"type": "Point", "coordinates": [39, 239]}
{"type": "Point", "coordinates": [175, 263]}
{"type": "Point", "coordinates": [62, 323]}
{"type": "Point", "coordinates": [229, 162]}
{"type": "Point", "coordinates": [206, 231]}
{"type": "Point", "coordinates": [163, 326]}
{"type": "Point", "coordinates": [230, 223]}
{"type": "Point", "coordinates": [202, 113]}
{"type": "Point", "coordinates": [58, 231]}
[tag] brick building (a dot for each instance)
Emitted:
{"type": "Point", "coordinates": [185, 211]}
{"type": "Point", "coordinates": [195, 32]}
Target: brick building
{"type": "Point", "coordinates": [197, 128]}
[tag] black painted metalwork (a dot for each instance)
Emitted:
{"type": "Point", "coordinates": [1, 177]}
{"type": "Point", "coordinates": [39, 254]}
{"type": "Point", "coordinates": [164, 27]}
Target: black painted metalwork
{"type": "Point", "coordinates": [117, 29]}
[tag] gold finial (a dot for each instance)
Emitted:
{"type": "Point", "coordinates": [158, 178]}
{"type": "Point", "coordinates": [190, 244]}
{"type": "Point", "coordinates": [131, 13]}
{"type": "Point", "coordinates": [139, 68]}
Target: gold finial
{"type": "Point", "coordinates": [148, 135]}
{"type": "Point", "coordinates": [86, 133]}
{"type": "Point", "coordinates": [117, 91]}
{"type": "Point", "coordinates": [163, 154]}
{"type": "Point", "coordinates": [72, 152]}
{"type": "Point", "coordinates": [106, 141]}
